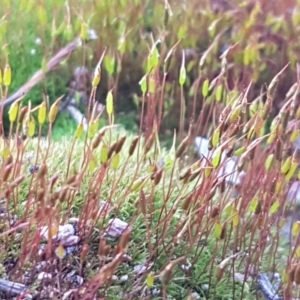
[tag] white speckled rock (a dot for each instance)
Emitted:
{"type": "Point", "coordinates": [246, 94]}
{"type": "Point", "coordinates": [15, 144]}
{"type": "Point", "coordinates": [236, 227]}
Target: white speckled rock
{"type": "Point", "coordinates": [229, 165]}
{"type": "Point", "coordinates": [115, 228]}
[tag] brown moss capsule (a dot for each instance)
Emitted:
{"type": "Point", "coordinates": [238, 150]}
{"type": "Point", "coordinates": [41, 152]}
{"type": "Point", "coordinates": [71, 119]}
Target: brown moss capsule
{"type": "Point", "coordinates": [291, 273]}
{"type": "Point", "coordinates": [166, 16]}
{"type": "Point", "coordinates": [133, 145]}
{"type": "Point", "coordinates": [111, 150]}
{"type": "Point", "coordinates": [274, 83]}
{"type": "Point", "coordinates": [54, 196]}
{"type": "Point", "coordinates": [194, 175]}
{"type": "Point", "coordinates": [229, 151]}
{"type": "Point", "coordinates": [211, 193]}
{"type": "Point", "coordinates": [186, 174]}
{"type": "Point", "coordinates": [266, 109]}
{"type": "Point", "coordinates": [102, 247]}
{"type": "Point", "coordinates": [297, 275]}
{"type": "Point", "coordinates": [187, 202]}
{"type": "Point", "coordinates": [285, 118]}
{"type": "Point", "coordinates": [53, 180]}
{"type": "Point", "coordinates": [41, 196]}
{"type": "Point", "coordinates": [120, 144]}
{"type": "Point", "coordinates": [293, 89]}
{"type": "Point", "coordinates": [84, 252]}
{"type": "Point", "coordinates": [273, 185]}
{"type": "Point", "coordinates": [42, 171]}
{"type": "Point", "coordinates": [258, 208]}
{"type": "Point", "coordinates": [167, 273]}
{"type": "Point", "coordinates": [7, 172]}
{"type": "Point", "coordinates": [63, 194]}
{"type": "Point", "coordinates": [22, 114]}
{"type": "Point", "coordinates": [7, 193]}
{"type": "Point", "coordinates": [234, 131]}
{"type": "Point", "coordinates": [97, 140]}
{"type": "Point", "coordinates": [278, 150]}
{"type": "Point", "coordinates": [260, 221]}
{"type": "Point", "coordinates": [71, 179]}
{"type": "Point", "coordinates": [210, 144]}
{"type": "Point", "coordinates": [252, 153]}
{"type": "Point", "coordinates": [142, 202]}
{"type": "Point", "coordinates": [124, 240]}
{"type": "Point", "coordinates": [222, 186]}
{"type": "Point", "coordinates": [158, 176]}
{"type": "Point", "coordinates": [18, 180]}
{"type": "Point", "coordinates": [220, 273]}
{"type": "Point", "coordinates": [182, 147]}
{"type": "Point", "coordinates": [149, 143]}
{"type": "Point", "coordinates": [215, 212]}
{"type": "Point", "coordinates": [286, 152]}
{"type": "Point", "coordinates": [223, 233]}
{"type": "Point", "coordinates": [152, 176]}
{"type": "Point", "coordinates": [9, 160]}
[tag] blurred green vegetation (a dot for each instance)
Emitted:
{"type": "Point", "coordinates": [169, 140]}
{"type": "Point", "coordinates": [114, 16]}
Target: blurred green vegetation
{"type": "Point", "coordinates": [32, 32]}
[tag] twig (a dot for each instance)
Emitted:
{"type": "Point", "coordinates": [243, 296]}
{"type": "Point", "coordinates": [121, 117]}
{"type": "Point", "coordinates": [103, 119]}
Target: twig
{"type": "Point", "coordinates": [53, 62]}
{"type": "Point", "coordinates": [78, 116]}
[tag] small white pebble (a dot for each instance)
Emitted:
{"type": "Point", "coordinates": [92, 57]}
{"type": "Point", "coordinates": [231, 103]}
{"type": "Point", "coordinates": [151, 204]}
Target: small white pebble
{"type": "Point", "coordinates": [277, 276]}
{"type": "Point", "coordinates": [44, 276]}
{"type": "Point", "coordinates": [155, 292]}
{"type": "Point", "coordinates": [139, 269]}
{"type": "Point", "coordinates": [70, 274]}
{"type": "Point", "coordinates": [205, 287]}
{"type": "Point", "coordinates": [79, 280]}
{"type": "Point", "coordinates": [70, 240]}
{"type": "Point", "coordinates": [185, 268]}
{"type": "Point", "coordinates": [124, 278]}
{"type": "Point", "coordinates": [127, 258]}
{"type": "Point", "coordinates": [73, 220]}
{"type": "Point", "coordinates": [239, 277]}
{"type": "Point", "coordinates": [195, 295]}
{"type": "Point", "coordinates": [41, 250]}
{"type": "Point", "coordinates": [41, 265]}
